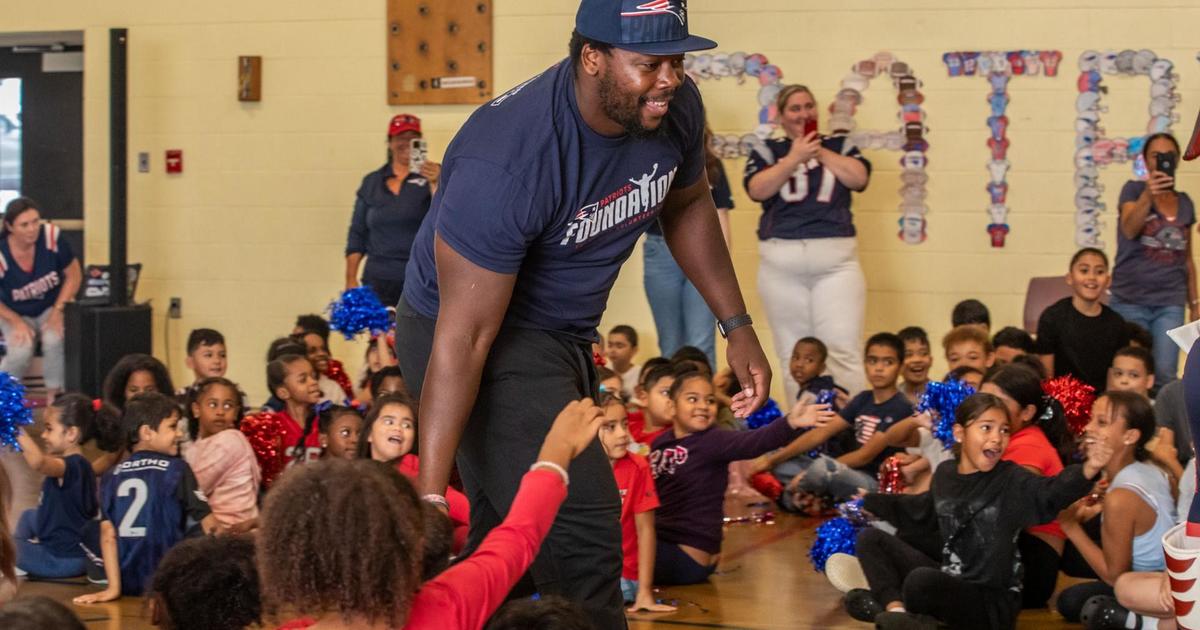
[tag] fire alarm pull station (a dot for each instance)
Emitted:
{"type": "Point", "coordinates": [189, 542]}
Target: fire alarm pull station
{"type": "Point", "coordinates": [174, 160]}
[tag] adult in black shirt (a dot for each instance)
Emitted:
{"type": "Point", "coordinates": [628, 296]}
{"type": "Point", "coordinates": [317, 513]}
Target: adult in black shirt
{"type": "Point", "coordinates": [390, 205]}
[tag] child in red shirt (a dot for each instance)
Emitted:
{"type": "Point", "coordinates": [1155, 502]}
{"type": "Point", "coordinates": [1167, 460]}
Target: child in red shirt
{"type": "Point", "coordinates": [293, 380]}
{"type": "Point", "coordinates": [656, 414]}
{"type": "Point", "coordinates": [368, 538]}
{"type": "Point", "coordinates": [638, 502]}
{"type": "Point", "coordinates": [389, 434]}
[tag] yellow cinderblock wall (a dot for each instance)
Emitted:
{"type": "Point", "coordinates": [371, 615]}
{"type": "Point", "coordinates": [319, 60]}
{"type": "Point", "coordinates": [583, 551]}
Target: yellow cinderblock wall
{"type": "Point", "coordinates": [252, 233]}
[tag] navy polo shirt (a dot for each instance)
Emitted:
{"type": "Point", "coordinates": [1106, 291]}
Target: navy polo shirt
{"type": "Point", "coordinates": [384, 224]}
{"type": "Point", "coordinates": [527, 188]}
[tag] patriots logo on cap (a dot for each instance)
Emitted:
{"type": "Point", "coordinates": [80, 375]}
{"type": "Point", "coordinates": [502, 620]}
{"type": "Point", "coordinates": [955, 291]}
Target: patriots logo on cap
{"type": "Point", "coordinates": [657, 7]}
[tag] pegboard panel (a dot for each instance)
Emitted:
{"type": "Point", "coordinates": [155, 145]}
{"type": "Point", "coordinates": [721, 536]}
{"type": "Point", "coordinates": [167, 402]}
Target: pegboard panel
{"type": "Point", "coordinates": [439, 52]}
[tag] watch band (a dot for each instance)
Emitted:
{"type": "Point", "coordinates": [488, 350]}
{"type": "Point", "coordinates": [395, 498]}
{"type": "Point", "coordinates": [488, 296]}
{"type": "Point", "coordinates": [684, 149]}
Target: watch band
{"type": "Point", "coordinates": [727, 326]}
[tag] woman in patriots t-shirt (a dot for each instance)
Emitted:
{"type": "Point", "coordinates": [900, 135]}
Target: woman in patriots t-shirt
{"type": "Point", "coordinates": [809, 277]}
{"type": "Point", "coordinates": [38, 275]}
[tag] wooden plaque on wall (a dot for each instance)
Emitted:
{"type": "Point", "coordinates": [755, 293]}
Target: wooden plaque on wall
{"type": "Point", "coordinates": [439, 52]}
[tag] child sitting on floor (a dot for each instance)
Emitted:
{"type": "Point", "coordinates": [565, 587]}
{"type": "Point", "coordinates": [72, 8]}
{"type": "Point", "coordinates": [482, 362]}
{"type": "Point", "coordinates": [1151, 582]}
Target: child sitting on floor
{"type": "Point", "coordinates": [1079, 335]}
{"type": "Point", "coordinates": [1010, 343]}
{"type": "Point", "coordinates": [970, 346]}
{"type": "Point", "coordinates": [654, 417]}
{"type": "Point", "coordinates": [389, 434]}
{"type": "Point", "coordinates": [690, 464]}
{"type": "Point", "coordinates": [978, 503]}
{"type": "Point", "coordinates": [856, 437]}
{"type": "Point", "coordinates": [638, 502]}
{"type": "Point", "coordinates": [220, 456]}
{"type": "Point", "coordinates": [914, 370]}
{"type": "Point", "coordinates": [340, 430]}
{"type": "Point", "coordinates": [206, 583]}
{"type": "Point", "coordinates": [50, 539]}
{"type": "Point", "coordinates": [149, 502]}
{"type": "Point", "coordinates": [292, 380]}
{"type": "Point", "coordinates": [135, 374]}
{"type": "Point", "coordinates": [387, 525]}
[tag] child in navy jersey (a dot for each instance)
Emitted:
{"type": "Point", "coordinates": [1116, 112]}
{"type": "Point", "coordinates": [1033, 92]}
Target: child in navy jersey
{"type": "Point", "coordinates": [690, 464]}
{"type": "Point", "coordinates": [149, 502]}
{"type": "Point", "coordinates": [50, 539]}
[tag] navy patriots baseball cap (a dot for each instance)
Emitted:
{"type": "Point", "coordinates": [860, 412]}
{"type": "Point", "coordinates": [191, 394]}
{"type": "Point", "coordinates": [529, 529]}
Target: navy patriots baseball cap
{"type": "Point", "coordinates": [650, 27]}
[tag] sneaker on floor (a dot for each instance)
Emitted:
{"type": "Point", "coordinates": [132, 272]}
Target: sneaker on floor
{"type": "Point", "coordinates": [861, 605]}
{"type": "Point", "coordinates": [20, 573]}
{"type": "Point", "coordinates": [845, 573]}
{"type": "Point", "coordinates": [1103, 613]}
{"type": "Point", "coordinates": [96, 575]}
{"type": "Point", "coordinates": [905, 621]}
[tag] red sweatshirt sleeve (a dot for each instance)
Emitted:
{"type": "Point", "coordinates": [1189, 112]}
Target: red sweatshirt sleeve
{"type": "Point", "coordinates": [465, 595]}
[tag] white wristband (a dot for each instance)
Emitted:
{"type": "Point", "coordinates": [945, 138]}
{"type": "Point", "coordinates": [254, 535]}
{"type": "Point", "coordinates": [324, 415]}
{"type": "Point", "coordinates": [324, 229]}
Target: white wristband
{"type": "Point", "coordinates": [438, 500]}
{"type": "Point", "coordinates": [562, 472]}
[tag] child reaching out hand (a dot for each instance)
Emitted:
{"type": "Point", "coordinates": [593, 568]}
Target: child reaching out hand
{"type": "Point", "coordinates": [50, 538]}
{"type": "Point", "coordinates": [690, 464]}
{"type": "Point", "coordinates": [978, 503]}
{"type": "Point", "coordinates": [387, 523]}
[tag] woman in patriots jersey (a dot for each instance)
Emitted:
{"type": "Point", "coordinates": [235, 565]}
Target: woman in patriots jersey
{"type": "Point", "coordinates": [39, 274]}
{"type": "Point", "coordinates": [149, 502]}
{"type": "Point", "coordinates": [808, 276]}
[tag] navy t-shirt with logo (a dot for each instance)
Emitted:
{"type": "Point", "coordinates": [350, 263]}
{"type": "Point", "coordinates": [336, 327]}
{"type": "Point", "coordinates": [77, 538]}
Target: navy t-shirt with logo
{"type": "Point", "coordinates": [527, 188]}
{"type": "Point", "coordinates": [867, 418]}
{"type": "Point", "coordinates": [812, 203]}
{"type": "Point", "coordinates": [31, 292]}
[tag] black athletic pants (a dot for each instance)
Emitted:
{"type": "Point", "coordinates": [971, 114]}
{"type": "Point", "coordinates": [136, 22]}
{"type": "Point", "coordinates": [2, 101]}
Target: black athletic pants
{"type": "Point", "coordinates": [896, 571]}
{"type": "Point", "coordinates": [530, 375]}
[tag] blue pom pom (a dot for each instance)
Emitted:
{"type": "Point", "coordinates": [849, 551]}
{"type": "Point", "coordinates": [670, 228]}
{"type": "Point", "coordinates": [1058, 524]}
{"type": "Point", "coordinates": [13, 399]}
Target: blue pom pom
{"type": "Point", "coordinates": [358, 310]}
{"type": "Point", "coordinates": [767, 414]}
{"type": "Point", "coordinates": [942, 400]}
{"type": "Point", "coordinates": [837, 535]}
{"type": "Point", "coordinates": [14, 411]}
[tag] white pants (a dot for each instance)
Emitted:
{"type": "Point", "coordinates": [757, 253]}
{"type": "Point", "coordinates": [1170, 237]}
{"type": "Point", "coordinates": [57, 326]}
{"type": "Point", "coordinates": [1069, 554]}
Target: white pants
{"type": "Point", "coordinates": [815, 287]}
{"type": "Point", "coordinates": [16, 361]}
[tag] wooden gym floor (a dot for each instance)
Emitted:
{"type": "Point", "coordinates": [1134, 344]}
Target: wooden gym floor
{"type": "Point", "coordinates": [765, 581]}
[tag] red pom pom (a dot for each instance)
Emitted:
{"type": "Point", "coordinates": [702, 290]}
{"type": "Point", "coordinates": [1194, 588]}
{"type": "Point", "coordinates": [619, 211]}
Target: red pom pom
{"type": "Point", "coordinates": [264, 430]}
{"type": "Point", "coordinates": [891, 481]}
{"type": "Point", "coordinates": [1076, 398]}
{"type": "Point", "coordinates": [337, 372]}
{"type": "Point", "coordinates": [767, 485]}
{"type": "Point", "coordinates": [599, 359]}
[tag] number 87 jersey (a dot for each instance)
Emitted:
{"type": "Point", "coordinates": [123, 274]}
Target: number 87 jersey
{"type": "Point", "coordinates": [812, 202]}
{"type": "Point", "coordinates": [153, 501]}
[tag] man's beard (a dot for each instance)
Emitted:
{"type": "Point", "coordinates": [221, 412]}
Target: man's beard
{"type": "Point", "coordinates": [626, 110]}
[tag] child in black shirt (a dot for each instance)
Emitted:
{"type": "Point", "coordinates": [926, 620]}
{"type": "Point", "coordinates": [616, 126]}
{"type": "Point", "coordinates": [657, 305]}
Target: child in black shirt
{"type": "Point", "coordinates": [979, 504]}
{"type": "Point", "coordinates": [1079, 335]}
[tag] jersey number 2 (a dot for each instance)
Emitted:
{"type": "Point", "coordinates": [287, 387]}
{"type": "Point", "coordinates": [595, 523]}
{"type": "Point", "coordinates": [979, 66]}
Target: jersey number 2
{"type": "Point", "coordinates": [795, 189]}
{"type": "Point", "coordinates": [140, 492]}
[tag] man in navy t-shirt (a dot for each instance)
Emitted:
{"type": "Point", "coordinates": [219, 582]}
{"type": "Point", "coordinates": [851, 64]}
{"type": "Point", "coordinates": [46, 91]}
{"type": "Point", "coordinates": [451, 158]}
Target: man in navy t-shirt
{"type": "Point", "coordinates": [544, 193]}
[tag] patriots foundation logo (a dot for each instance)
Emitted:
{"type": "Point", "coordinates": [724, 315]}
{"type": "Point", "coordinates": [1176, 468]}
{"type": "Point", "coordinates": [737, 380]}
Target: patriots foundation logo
{"type": "Point", "coordinates": [658, 7]}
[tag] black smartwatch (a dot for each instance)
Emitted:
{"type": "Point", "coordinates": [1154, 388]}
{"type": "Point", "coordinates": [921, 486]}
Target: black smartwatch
{"type": "Point", "coordinates": [727, 326]}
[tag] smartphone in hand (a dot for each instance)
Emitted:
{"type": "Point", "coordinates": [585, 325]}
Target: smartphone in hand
{"type": "Point", "coordinates": [810, 126]}
{"type": "Point", "coordinates": [416, 155]}
{"type": "Point", "coordinates": [1166, 163]}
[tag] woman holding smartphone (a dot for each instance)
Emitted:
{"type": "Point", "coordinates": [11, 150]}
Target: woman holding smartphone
{"type": "Point", "coordinates": [1153, 277]}
{"type": "Point", "coordinates": [390, 205]}
{"type": "Point", "coordinates": [808, 275]}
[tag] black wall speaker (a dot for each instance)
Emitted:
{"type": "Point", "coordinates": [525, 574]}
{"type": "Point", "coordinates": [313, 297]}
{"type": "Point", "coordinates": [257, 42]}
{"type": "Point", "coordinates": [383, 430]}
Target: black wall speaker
{"type": "Point", "coordinates": [97, 337]}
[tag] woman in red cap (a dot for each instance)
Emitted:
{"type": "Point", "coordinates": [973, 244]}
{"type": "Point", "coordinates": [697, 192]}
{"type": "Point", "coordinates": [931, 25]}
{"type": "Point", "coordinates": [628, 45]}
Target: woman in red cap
{"type": "Point", "coordinates": [390, 205]}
